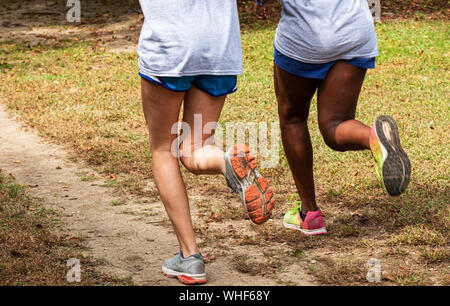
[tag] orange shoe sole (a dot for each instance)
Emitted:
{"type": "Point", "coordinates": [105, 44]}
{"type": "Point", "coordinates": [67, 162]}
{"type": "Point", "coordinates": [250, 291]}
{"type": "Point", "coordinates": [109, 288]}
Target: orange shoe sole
{"type": "Point", "coordinates": [186, 279]}
{"type": "Point", "coordinates": [258, 197]}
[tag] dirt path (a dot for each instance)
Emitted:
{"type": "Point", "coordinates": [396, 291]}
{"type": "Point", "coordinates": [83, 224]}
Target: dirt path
{"type": "Point", "coordinates": [127, 236]}
{"type": "Point", "coordinates": [115, 26]}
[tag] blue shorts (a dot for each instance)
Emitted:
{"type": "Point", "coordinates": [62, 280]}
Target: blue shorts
{"type": "Point", "coordinates": [213, 85]}
{"type": "Point", "coordinates": [316, 71]}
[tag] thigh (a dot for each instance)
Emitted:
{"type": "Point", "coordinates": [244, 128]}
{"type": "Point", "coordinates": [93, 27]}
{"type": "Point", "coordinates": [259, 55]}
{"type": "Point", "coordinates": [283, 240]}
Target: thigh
{"type": "Point", "coordinates": [338, 93]}
{"type": "Point", "coordinates": [161, 109]}
{"type": "Point", "coordinates": [294, 95]}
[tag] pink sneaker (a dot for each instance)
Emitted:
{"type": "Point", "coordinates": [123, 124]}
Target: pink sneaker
{"type": "Point", "coordinates": [313, 224]}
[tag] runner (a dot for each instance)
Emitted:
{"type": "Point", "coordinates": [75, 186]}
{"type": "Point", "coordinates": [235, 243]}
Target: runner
{"type": "Point", "coordinates": [327, 46]}
{"type": "Point", "coordinates": [190, 54]}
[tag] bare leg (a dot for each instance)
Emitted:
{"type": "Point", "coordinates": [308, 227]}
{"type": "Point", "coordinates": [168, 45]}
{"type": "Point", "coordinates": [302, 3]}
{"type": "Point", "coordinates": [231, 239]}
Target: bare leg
{"type": "Point", "coordinates": [337, 99]}
{"type": "Point", "coordinates": [294, 95]}
{"type": "Point", "coordinates": [161, 108]}
{"type": "Point", "coordinates": [202, 110]}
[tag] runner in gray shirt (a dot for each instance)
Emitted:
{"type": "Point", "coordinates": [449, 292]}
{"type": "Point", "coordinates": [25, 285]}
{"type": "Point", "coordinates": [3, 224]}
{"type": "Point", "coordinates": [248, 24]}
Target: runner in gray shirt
{"type": "Point", "coordinates": [314, 31]}
{"type": "Point", "coordinates": [190, 56]}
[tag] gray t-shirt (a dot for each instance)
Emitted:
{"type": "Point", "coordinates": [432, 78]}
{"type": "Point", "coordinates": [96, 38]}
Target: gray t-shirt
{"type": "Point", "coordinates": [190, 37]}
{"type": "Point", "coordinates": [320, 31]}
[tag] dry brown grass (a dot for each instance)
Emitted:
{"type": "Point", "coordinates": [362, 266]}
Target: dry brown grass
{"type": "Point", "coordinates": [31, 253]}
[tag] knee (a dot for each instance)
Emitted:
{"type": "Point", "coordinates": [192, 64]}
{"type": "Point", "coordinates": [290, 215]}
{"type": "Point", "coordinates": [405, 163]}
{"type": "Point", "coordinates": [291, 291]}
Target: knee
{"type": "Point", "coordinates": [190, 164]}
{"type": "Point", "coordinates": [328, 131]}
{"type": "Point", "coordinates": [296, 123]}
{"type": "Point", "coordinates": [188, 158]}
{"type": "Point", "coordinates": [289, 118]}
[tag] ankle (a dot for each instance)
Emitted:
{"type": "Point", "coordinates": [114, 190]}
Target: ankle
{"type": "Point", "coordinates": [189, 252]}
{"type": "Point", "coordinates": [309, 208]}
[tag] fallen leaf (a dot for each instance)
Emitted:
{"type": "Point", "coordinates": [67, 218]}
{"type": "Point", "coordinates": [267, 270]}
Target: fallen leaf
{"type": "Point", "coordinates": [111, 176]}
{"type": "Point", "coordinates": [76, 239]}
{"type": "Point", "coordinates": [355, 213]}
{"type": "Point", "coordinates": [386, 276]}
{"type": "Point", "coordinates": [208, 258]}
{"type": "Point", "coordinates": [239, 241]}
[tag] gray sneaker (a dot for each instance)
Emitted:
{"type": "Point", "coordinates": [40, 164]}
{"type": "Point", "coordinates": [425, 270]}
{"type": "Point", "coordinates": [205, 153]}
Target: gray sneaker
{"type": "Point", "coordinates": [245, 180]}
{"type": "Point", "coordinates": [189, 271]}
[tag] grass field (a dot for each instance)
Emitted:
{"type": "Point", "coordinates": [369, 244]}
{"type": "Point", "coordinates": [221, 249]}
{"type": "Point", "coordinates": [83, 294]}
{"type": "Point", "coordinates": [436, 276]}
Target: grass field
{"type": "Point", "coordinates": [88, 99]}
